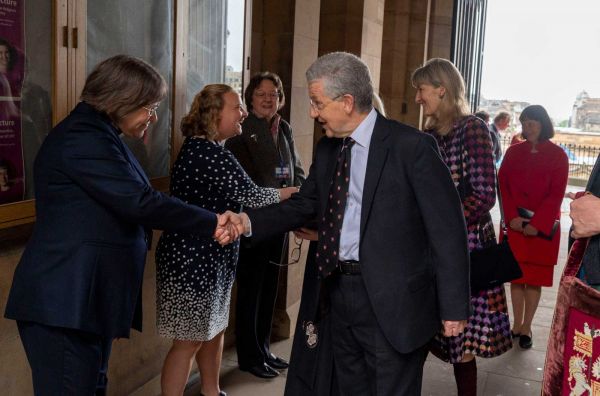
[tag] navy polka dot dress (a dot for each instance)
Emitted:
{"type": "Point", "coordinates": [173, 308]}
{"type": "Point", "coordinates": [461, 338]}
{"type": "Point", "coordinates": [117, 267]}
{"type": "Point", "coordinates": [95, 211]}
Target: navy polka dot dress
{"type": "Point", "coordinates": [195, 275]}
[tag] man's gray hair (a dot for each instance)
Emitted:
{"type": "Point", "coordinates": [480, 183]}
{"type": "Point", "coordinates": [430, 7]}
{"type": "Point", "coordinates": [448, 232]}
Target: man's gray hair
{"type": "Point", "coordinates": [344, 73]}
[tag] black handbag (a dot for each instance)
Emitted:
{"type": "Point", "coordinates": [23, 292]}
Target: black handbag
{"type": "Point", "coordinates": [492, 265]}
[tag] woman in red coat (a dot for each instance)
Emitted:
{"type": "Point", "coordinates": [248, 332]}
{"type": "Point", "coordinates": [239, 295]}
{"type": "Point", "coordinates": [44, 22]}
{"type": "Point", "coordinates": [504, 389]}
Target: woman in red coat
{"type": "Point", "coordinates": [533, 178]}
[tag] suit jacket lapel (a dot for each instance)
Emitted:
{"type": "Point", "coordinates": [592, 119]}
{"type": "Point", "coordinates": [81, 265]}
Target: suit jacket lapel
{"type": "Point", "coordinates": [134, 162]}
{"type": "Point", "coordinates": [378, 152]}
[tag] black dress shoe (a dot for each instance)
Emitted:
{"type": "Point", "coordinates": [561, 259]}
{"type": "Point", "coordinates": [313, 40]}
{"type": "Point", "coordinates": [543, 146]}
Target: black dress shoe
{"type": "Point", "coordinates": [277, 362]}
{"type": "Point", "coordinates": [261, 371]}
{"type": "Point", "coordinates": [515, 335]}
{"type": "Point", "coordinates": [221, 393]}
{"type": "Point", "coordinates": [525, 341]}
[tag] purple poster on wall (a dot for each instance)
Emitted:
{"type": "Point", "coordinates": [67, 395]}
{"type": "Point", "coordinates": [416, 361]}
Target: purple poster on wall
{"type": "Point", "coordinates": [12, 69]}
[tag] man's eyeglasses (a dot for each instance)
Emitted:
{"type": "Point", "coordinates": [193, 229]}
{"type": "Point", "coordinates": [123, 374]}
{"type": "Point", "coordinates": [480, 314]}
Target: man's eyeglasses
{"type": "Point", "coordinates": [318, 106]}
{"type": "Point", "coordinates": [294, 256]}
{"type": "Point", "coordinates": [272, 95]}
{"type": "Point", "coordinates": [151, 110]}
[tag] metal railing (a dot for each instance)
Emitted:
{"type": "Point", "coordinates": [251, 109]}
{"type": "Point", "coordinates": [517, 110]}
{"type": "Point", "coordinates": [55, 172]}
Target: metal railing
{"type": "Point", "coordinates": [581, 157]}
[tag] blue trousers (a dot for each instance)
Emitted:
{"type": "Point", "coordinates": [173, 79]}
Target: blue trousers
{"type": "Point", "coordinates": [65, 361]}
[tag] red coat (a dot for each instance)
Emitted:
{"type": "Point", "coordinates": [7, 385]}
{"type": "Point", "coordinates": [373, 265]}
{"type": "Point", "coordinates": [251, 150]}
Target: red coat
{"type": "Point", "coordinates": [535, 181]}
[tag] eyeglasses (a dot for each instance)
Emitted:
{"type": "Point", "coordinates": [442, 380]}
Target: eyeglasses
{"type": "Point", "coordinates": [318, 106]}
{"type": "Point", "coordinates": [294, 255]}
{"type": "Point", "coordinates": [151, 110]}
{"type": "Point", "coordinates": [272, 95]}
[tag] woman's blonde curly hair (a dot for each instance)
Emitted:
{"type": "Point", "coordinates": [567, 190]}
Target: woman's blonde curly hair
{"type": "Point", "coordinates": [203, 118]}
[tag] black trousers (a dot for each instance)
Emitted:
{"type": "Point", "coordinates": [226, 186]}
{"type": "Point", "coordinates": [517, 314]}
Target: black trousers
{"type": "Point", "coordinates": [65, 361]}
{"type": "Point", "coordinates": [365, 362]}
{"type": "Point", "coordinates": [257, 282]}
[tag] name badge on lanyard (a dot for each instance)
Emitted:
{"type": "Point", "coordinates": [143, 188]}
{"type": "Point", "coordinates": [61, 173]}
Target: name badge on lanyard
{"type": "Point", "coordinates": [282, 173]}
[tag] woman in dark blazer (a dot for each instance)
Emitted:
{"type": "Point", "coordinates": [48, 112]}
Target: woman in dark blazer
{"type": "Point", "coordinates": [78, 284]}
{"type": "Point", "coordinates": [266, 151]}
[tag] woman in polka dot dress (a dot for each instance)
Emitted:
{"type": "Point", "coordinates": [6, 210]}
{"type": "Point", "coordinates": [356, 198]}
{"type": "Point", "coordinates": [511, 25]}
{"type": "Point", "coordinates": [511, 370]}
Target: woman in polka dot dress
{"type": "Point", "coordinates": [194, 274]}
{"type": "Point", "coordinates": [466, 147]}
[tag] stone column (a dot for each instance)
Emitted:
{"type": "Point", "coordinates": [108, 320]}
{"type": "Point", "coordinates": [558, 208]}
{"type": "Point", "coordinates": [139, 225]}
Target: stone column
{"type": "Point", "coordinates": [285, 41]}
{"type": "Point", "coordinates": [414, 31]}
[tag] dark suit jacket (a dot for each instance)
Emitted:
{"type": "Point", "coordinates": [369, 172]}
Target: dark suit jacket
{"type": "Point", "coordinates": [495, 135]}
{"type": "Point", "coordinates": [413, 244]}
{"type": "Point", "coordinates": [83, 266]}
{"type": "Point", "coordinates": [256, 151]}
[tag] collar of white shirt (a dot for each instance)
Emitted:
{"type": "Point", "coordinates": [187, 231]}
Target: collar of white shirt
{"type": "Point", "coordinates": [363, 132]}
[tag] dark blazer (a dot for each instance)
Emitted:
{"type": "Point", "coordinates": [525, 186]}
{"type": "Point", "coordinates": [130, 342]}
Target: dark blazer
{"type": "Point", "coordinates": [495, 135]}
{"type": "Point", "coordinates": [413, 244]}
{"type": "Point", "coordinates": [83, 266]}
{"type": "Point", "coordinates": [256, 151]}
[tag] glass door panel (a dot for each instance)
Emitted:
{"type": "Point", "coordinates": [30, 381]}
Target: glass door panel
{"type": "Point", "coordinates": [216, 44]}
{"type": "Point", "coordinates": [25, 93]}
{"type": "Point", "coordinates": [141, 28]}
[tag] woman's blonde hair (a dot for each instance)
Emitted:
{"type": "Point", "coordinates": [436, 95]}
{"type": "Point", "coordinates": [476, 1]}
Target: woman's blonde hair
{"type": "Point", "coordinates": [454, 105]}
{"type": "Point", "coordinates": [204, 115]}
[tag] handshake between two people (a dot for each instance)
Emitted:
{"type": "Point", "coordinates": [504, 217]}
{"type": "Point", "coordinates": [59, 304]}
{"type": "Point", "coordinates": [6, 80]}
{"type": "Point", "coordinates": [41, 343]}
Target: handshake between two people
{"type": "Point", "coordinates": [230, 225]}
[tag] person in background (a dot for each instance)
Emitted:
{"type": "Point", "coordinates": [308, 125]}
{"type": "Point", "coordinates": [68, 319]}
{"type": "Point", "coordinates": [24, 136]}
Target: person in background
{"type": "Point", "coordinates": [195, 275]}
{"type": "Point", "coordinates": [501, 122]}
{"type": "Point", "coordinates": [577, 304]}
{"type": "Point", "coordinates": [533, 178]}
{"type": "Point", "coordinates": [78, 284]}
{"type": "Point", "coordinates": [10, 190]}
{"type": "Point", "coordinates": [267, 152]}
{"type": "Point", "coordinates": [10, 80]}
{"type": "Point", "coordinates": [467, 150]}
{"type": "Point", "coordinates": [483, 116]}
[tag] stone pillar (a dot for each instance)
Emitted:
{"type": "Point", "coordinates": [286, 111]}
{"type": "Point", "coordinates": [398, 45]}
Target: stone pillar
{"type": "Point", "coordinates": [285, 41]}
{"type": "Point", "coordinates": [440, 29]}
{"type": "Point", "coordinates": [354, 26]}
{"type": "Point", "coordinates": [413, 31]}
{"type": "Point", "coordinates": [372, 35]}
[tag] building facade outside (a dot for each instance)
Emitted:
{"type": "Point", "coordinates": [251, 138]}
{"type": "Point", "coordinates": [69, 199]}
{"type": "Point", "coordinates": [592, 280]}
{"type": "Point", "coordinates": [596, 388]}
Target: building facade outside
{"type": "Point", "coordinates": [586, 113]}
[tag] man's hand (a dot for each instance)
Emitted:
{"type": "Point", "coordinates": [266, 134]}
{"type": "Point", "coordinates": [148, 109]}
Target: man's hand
{"type": "Point", "coordinates": [307, 233]}
{"type": "Point", "coordinates": [585, 213]}
{"type": "Point", "coordinates": [516, 224]}
{"type": "Point", "coordinates": [224, 234]}
{"type": "Point", "coordinates": [286, 192]}
{"type": "Point", "coordinates": [452, 328]}
{"type": "Point", "coordinates": [229, 228]}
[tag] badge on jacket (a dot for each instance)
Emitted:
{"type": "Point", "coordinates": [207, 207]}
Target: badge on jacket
{"type": "Point", "coordinates": [312, 338]}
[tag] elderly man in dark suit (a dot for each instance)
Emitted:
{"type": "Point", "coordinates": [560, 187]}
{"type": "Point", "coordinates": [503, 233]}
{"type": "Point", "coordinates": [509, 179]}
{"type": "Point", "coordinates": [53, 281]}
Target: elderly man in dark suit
{"type": "Point", "coordinates": [392, 249]}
